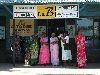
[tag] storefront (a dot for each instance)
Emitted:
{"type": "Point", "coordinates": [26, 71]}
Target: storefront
{"type": "Point", "coordinates": [89, 22]}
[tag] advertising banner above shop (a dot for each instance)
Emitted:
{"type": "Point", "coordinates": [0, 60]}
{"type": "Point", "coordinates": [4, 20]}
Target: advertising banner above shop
{"type": "Point", "coordinates": [24, 11]}
{"type": "Point", "coordinates": [45, 11]}
{"type": "Point", "coordinates": [67, 11]}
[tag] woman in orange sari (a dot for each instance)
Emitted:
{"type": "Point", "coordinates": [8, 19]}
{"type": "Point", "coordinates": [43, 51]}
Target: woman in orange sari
{"type": "Point", "coordinates": [81, 49]}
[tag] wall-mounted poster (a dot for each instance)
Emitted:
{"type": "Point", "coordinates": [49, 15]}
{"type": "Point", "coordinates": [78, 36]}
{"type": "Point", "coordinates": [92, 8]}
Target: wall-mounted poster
{"type": "Point", "coordinates": [71, 30]}
{"type": "Point", "coordinates": [41, 29]}
{"type": "Point", "coordinates": [2, 32]}
{"type": "Point", "coordinates": [25, 27]}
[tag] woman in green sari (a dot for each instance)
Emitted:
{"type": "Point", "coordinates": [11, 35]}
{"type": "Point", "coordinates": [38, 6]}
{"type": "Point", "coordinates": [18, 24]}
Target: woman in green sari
{"type": "Point", "coordinates": [34, 48]}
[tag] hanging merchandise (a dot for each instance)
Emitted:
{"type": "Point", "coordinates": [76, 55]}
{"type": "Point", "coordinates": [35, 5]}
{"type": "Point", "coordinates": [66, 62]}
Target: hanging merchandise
{"type": "Point", "coordinates": [33, 47]}
{"type": "Point", "coordinates": [17, 48]}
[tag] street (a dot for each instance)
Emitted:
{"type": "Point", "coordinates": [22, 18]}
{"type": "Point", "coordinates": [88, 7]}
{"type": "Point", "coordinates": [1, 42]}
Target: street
{"type": "Point", "coordinates": [21, 69]}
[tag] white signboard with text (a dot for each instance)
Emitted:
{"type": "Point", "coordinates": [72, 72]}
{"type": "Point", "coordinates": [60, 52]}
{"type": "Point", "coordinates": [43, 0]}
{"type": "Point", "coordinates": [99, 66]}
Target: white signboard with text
{"type": "Point", "coordinates": [46, 11]}
{"type": "Point", "coordinates": [24, 11]}
{"type": "Point", "coordinates": [67, 11]}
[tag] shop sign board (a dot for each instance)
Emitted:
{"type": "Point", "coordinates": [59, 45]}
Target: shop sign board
{"type": "Point", "coordinates": [45, 11]}
{"type": "Point", "coordinates": [67, 11]}
{"type": "Point", "coordinates": [24, 11]}
{"type": "Point", "coordinates": [49, 11]}
{"type": "Point", "coordinates": [24, 27]}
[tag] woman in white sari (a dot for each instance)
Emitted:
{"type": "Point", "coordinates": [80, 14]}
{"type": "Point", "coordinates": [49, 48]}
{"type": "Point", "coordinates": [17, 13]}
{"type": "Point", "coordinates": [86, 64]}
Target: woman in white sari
{"type": "Point", "coordinates": [54, 49]}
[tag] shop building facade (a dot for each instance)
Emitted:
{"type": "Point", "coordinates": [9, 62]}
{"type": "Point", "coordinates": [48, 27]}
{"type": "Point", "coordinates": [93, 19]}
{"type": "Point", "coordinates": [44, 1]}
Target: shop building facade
{"type": "Point", "coordinates": [89, 20]}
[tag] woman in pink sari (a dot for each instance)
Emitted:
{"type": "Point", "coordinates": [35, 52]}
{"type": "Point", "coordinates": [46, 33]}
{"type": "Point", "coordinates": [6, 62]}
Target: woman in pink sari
{"type": "Point", "coordinates": [44, 56]}
{"type": "Point", "coordinates": [81, 49]}
{"type": "Point", "coordinates": [54, 50]}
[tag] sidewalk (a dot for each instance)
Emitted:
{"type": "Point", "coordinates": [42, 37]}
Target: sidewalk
{"type": "Point", "coordinates": [20, 69]}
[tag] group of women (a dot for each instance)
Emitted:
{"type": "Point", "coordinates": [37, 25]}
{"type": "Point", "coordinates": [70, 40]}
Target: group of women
{"type": "Point", "coordinates": [50, 54]}
{"type": "Point", "coordinates": [44, 57]}
{"type": "Point", "coordinates": [45, 52]}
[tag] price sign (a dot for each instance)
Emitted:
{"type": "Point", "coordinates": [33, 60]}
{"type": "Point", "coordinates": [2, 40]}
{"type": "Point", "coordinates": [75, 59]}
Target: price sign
{"type": "Point", "coordinates": [24, 11]}
{"type": "Point", "coordinates": [45, 11]}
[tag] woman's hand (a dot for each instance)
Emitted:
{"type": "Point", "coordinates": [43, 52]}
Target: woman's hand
{"type": "Point", "coordinates": [54, 42]}
{"type": "Point", "coordinates": [44, 43]}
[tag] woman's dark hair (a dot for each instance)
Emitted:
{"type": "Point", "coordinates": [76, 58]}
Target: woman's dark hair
{"type": "Point", "coordinates": [66, 33]}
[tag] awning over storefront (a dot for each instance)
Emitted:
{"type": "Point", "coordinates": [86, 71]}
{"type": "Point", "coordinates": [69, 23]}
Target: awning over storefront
{"type": "Point", "coordinates": [90, 10]}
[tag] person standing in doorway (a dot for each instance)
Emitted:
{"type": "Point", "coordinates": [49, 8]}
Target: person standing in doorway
{"type": "Point", "coordinates": [66, 53]}
{"type": "Point", "coordinates": [54, 48]}
{"type": "Point", "coordinates": [44, 55]}
{"type": "Point", "coordinates": [81, 49]}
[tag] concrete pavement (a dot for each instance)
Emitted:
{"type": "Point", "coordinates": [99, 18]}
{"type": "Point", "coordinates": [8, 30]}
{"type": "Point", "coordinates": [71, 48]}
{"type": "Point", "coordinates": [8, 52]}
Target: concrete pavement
{"type": "Point", "coordinates": [21, 69]}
